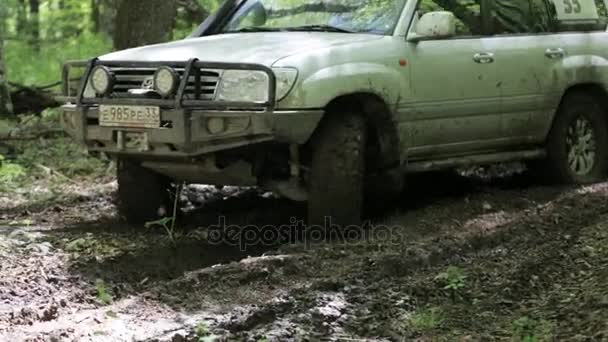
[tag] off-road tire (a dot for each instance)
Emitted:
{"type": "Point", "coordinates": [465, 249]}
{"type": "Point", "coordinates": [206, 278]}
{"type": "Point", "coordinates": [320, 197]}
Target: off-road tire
{"type": "Point", "coordinates": [578, 107]}
{"type": "Point", "coordinates": [143, 195]}
{"type": "Point", "coordinates": [337, 171]}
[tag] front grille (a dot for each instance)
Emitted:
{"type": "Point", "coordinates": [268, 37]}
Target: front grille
{"type": "Point", "coordinates": [134, 78]}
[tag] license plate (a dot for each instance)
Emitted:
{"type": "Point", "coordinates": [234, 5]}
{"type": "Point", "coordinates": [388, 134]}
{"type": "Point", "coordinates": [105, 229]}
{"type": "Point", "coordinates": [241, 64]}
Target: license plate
{"type": "Point", "coordinates": [129, 116]}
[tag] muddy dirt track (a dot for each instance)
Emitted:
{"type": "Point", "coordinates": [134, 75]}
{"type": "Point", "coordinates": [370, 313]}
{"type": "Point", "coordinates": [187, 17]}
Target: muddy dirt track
{"type": "Point", "coordinates": [456, 258]}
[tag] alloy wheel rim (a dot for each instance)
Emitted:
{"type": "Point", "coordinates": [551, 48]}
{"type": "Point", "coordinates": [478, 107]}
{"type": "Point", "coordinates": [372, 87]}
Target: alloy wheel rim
{"type": "Point", "coordinates": [581, 146]}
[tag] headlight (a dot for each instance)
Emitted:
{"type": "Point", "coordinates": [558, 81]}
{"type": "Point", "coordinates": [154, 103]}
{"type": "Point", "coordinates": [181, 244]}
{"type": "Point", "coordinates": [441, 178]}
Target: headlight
{"type": "Point", "coordinates": [243, 86]}
{"type": "Point", "coordinates": [166, 81]}
{"type": "Point", "coordinates": [286, 77]}
{"type": "Point", "coordinates": [102, 80]}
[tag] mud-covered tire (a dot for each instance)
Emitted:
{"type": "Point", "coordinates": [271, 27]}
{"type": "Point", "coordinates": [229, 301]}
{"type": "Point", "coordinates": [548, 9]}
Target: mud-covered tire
{"type": "Point", "coordinates": [143, 195]}
{"type": "Point", "coordinates": [337, 170]}
{"type": "Point", "coordinates": [576, 157]}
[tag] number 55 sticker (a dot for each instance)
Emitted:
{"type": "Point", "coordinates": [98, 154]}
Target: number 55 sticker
{"type": "Point", "coordinates": [576, 9]}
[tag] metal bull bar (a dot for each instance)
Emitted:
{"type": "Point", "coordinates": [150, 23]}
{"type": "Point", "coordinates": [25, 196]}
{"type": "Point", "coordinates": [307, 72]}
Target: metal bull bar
{"type": "Point", "coordinates": [191, 68]}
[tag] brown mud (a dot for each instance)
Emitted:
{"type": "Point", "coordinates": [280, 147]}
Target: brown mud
{"type": "Point", "coordinates": [473, 257]}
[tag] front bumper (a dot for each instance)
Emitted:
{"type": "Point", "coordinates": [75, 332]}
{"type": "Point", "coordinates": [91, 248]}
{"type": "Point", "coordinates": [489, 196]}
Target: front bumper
{"type": "Point", "coordinates": [186, 132]}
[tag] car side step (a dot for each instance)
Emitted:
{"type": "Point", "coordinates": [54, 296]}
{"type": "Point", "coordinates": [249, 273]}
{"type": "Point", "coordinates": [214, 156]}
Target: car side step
{"type": "Point", "coordinates": [478, 159]}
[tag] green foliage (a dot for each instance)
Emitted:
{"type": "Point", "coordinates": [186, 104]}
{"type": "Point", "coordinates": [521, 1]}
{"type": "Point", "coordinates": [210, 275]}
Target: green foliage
{"type": "Point", "coordinates": [169, 223]}
{"type": "Point", "coordinates": [10, 174]}
{"type": "Point", "coordinates": [203, 334]}
{"type": "Point", "coordinates": [201, 329]}
{"type": "Point", "coordinates": [100, 246]}
{"type": "Point", "coordinates": [454, 278]}
{"type": "Point", "coordinates": [68, 30]}
{"type": "Point", "coordinates": [79, 245]}
{"type": "Point", "coordinates": [526, 329]}
{"type": "Point", "coordinates": [425, 320]}
{"type": "Point", "coordinates": [61, 157]}
{"type": "Point", "coordinates": [185, 25]}
{"type": "Point", "coordinates": [27, 66]}
{"type": "Point", "coordinates": [103, 295]}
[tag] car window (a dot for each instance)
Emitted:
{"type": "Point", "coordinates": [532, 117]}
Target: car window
{"type": "Point", "coordinates": [580, 15]}
{"type": "Point", "coordinates": [467, 13]}
{"type": "Point", "coordinates": [545, 16]}
{"type": "Point", "coordinates": [521, 16]}
{"type": "Point", "coordinates": [365, 16]}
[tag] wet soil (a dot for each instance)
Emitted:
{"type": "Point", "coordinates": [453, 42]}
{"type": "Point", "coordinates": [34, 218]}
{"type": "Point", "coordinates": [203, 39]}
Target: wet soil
{"type": "Point", "coordinates": [480, 255]}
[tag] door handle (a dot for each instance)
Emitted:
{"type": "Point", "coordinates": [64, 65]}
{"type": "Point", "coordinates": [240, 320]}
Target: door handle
{"type": "Point", "coordinates": [484, 57]}
{"type": "Point", "coordinates": [555, 53]}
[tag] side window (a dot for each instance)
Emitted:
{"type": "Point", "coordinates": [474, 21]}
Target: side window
{"type": "Point", "coordinates": [522, 16]}
{"type": "Point", "coordinates": [467, 13]}
{"type": "Point", "coordinates": [579, 15]}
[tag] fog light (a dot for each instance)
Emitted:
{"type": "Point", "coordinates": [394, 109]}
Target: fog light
{"type": "Point", "coordinates": [166, 81]}
{"type": "Point", "coordinates": [102, 80]}
{"type": "Point", "coordinates": [216, 125]}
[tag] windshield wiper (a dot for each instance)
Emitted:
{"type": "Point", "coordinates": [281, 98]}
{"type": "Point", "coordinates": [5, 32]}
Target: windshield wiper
{"type": "Point", "coordinates": [255, 29]}
{"type": "Point", "coordinates": [319, 28]}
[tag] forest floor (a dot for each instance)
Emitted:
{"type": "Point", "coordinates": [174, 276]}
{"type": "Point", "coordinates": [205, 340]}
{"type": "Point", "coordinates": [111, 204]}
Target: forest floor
{"type": "Point", "coordinates": [491, 255]}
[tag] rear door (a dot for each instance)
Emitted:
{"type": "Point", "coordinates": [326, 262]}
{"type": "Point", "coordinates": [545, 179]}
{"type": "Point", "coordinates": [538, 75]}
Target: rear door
{"type": "Point", "coordinates": [531, 52]}
{"type": "Point", "coordinates": [523, 39]}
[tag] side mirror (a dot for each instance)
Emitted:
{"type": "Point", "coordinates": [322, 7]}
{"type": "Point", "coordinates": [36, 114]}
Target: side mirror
{"type": "Point", "coordinates": [434, 25]}
{"type": "Point", "coordinates": [258, 13]}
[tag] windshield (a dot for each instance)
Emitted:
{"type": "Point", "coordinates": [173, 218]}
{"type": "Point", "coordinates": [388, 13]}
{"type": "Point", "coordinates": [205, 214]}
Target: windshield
{"type": "Point", "coordinates": [349, 16]}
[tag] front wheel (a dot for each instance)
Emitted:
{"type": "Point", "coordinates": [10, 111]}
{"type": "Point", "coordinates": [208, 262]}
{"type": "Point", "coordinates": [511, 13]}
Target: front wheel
{"type": "Point", "coordinates": [578, 142]}
{"type": "Point", "coordinates": [143, 195]}
{"type": "Point", "coordinates": [337, 171]}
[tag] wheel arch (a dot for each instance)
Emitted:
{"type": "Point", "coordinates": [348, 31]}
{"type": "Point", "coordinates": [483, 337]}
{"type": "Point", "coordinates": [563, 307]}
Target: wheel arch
{"type": "Point", "coordinates": [383, 137]}
{"type": "Point", "coordinates": [597, 90]}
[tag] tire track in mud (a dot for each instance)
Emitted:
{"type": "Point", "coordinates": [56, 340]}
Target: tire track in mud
{"type": "Point", "coordinates": [459, 239]}
{"type": "Point", "coordinates": [334, 290]}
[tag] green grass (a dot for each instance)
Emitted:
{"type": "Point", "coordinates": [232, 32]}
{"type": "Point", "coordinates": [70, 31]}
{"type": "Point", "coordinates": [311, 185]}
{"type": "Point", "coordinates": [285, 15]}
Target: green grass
{"type": "Point", "coordinates": [10, 173]}
{"type": "Point", "coordinates": [103, 295]}
{"type": "Point", "coordinates": [453, 278]}
{"type": "Point", "coordinates": [56, 159]}
{"type": "Point", "coordinates": [526, 329]}
{"type": "Point", "coordinates": [426, 320]}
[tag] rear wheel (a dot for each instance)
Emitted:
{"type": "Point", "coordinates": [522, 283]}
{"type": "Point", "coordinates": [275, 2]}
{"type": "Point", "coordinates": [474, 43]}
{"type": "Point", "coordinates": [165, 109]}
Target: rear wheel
{"type": "Point", "coordinates": [578, 142]}
{"type": "Point", "coordinates": [143, 195]}
{"type": "Point", "coordinates": [337, 171]}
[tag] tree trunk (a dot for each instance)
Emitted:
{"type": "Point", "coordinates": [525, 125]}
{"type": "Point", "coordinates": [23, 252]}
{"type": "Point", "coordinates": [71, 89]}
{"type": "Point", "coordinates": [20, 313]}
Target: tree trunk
{"type": "Point", "coordinates": [6, 107]}
{"type": "Point", "coordinates": [35, 24]}
{"type": "Point", "coordinates": [142, 22]}
{"type": "Point", "coordinates": [95, 16]}
{"type": "Point", "coordinates": [21, 24]}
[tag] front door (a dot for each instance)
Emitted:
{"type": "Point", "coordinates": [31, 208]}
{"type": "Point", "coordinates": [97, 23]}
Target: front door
{"type": "Point", "coordinates": [455, 103]}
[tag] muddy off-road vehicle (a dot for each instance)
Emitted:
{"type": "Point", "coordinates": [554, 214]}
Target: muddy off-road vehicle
{"type": "Point", "coordinates": [334, 101]}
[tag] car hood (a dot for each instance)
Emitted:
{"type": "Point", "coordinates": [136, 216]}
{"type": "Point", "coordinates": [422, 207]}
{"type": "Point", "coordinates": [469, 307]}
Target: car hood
{"type": "Point", "coordinates": [262, 48]}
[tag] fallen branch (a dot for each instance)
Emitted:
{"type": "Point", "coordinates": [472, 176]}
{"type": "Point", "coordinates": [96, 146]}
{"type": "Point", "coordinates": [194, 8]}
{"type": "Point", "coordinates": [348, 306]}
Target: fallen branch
{"type": "Point", "coordinates": [44, 87]}
{"type": "Point", "coordinates": [51, 172]}
{"type": "Point", "coordinates": [32, 99]}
